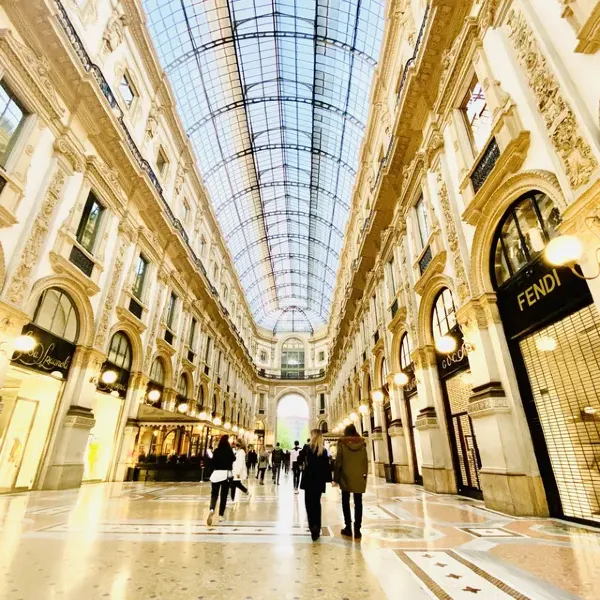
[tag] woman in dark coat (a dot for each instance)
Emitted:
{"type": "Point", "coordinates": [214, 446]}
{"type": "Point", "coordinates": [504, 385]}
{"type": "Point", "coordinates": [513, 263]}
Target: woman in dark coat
{"type": "Point", "coordinates": [315, 475]}
{"type": "Point", "coordinates": [350, 473]}
{"type": "Point", "coordinates": [222, 464]}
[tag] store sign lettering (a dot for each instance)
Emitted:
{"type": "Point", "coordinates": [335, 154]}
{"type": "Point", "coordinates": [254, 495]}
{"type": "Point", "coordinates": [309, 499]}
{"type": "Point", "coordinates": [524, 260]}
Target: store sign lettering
{"type": "Point", "coordinates": [50, 353]}
{"type": "Point", "coordinates": [455, 358]}
{"type": "Point", "coordinates": [542, 287]}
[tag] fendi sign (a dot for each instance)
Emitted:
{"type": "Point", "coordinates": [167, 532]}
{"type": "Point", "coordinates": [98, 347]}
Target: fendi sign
{"type": "Point", "coordinates": [540, 294]}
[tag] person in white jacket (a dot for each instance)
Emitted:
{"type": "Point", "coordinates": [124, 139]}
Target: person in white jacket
{"type": "Point", "coordinates": [240, 470]}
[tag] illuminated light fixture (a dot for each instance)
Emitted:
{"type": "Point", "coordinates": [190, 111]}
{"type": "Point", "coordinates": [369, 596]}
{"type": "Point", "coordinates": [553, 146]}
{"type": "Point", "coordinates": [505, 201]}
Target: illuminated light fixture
{"type": "Point", "coordinates": [353, 416]}
{"type": "Point", "coordinates": [546, 343]}
{"type": "Point", "coordinates": [563, 251]}
{"type": "Point", "coordinates": [590, 410]}
{"type": "Point", "coordinates": [57, 374]}
{"type": "Point", "coordinates": [115, 394]}
{"type": "Point", "coordinates": [241, 431]}
{"type": "Point", "coordinates": [108, 377]}
{"type": "Point", "coordinates": [363, 409]}
{"type": "Point", "coordinates": [155, 433]}
{"type": "Point", "coordinates": [153, 395]}
{"type": "Point", "coordinates": [227, 425]}
{"type": "Point", "coordinates": [377, 396]}
{"type": "Point", "coordinates": [217, 421]}
{"type": "Point", "coordinates": [446, 344]}
{"type": "Point", "coordinates": [24, 343]}
{"type": "Point", "coordinates": [347, 422]}
{"type": "Point", "coordinates": [182, 407]}
{"type": "Point", "coordinates": [235, 428]}
{"type": "Point", "coordinates": [203, 416]}
{"type": "Point", "coordinates": [401, 379]}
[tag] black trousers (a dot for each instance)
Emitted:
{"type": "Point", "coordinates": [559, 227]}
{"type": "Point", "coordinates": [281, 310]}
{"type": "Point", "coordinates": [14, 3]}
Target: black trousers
{"type": "Point", "coordinates": [358, 510]}
{"type": "Point", "coordinates": [312, 501]}
{"type": "Point", "coordinates": [221, 487]}
{"type": "Point", "coordinates": [276, 472]}
{"type": "Point", "coordinates": [235, 484]}
{"type": "Point", "coordinates": [296, 471]}
{"type": "Point", "coordinates": [261, 473]}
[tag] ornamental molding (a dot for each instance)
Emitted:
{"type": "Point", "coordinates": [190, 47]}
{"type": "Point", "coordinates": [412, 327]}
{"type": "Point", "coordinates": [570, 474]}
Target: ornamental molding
{"type": "Point", "coordinates": [62, 266]}
{"type": "Point", "coordinates": [29, 75]}
{"type": "Point", "coordinates": [570, 145]}
{"type": "Point", "coordinates": [68, 146]}
{"type": "Point", "coordinates": [105, 181]}
{"type": "Point", "coordinates": [21, 279]}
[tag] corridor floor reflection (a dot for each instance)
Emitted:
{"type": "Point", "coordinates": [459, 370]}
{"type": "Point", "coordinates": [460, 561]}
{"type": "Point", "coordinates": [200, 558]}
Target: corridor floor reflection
{"type": "Point", "coordinates": [139, 541]}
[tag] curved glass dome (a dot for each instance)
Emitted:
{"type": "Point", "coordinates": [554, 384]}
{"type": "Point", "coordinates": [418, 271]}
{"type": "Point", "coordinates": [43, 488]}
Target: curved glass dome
{"type": "Point", "coordinates": [274, 95]}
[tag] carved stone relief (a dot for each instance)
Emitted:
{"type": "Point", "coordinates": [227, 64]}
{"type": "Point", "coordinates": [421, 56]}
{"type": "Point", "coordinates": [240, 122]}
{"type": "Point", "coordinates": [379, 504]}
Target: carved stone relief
{"type": "Point", "coordinates": [573, 150]}
{"type": "Point", "coordinates": [21, 280]}
{"type": "Point", "coordinates": [462, 285]}
{"type": "Point", "coordinates": [153, 328]}
{"type": "Point", "coordinates": [114, 34]}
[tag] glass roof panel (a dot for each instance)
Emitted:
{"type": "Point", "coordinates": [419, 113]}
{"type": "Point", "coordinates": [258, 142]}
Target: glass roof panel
{"type": "Point", "coordinates": [274, 95]}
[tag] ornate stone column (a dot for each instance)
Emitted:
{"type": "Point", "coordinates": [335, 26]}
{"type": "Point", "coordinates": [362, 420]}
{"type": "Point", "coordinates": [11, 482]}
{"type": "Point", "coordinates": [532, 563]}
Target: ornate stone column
{"type": "Point", "coordinates": [503, 438]}
{"type": "Point", "coordinates": [438, 471]}
{"type": "Point", "coordinates": [397, 433]}
{"type": "Point", "coordinates": [76, 419]}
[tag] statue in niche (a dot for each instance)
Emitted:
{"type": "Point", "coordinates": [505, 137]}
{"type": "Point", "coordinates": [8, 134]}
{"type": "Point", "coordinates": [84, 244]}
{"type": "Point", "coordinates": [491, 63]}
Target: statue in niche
{"type": "Point", "coordinates": [114, 34]}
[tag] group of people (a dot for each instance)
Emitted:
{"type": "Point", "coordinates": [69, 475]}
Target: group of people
{"type": "Point", "coordinates": [312, 471]}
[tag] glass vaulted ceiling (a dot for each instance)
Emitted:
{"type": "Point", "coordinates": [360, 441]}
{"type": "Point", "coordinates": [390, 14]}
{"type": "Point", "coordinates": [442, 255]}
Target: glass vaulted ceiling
{"type": "Point", "coordinates": [274, 95]}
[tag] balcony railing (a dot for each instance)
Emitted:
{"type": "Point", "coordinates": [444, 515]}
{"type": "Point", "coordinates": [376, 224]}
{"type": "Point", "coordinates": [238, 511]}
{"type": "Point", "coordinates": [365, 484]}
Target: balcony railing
{"type": "Point", "coordinates": [283, 374]}
{"type": "Point", "coordinates": [485, 165]}
{"type": "Point", "coordinates": [425, 260]}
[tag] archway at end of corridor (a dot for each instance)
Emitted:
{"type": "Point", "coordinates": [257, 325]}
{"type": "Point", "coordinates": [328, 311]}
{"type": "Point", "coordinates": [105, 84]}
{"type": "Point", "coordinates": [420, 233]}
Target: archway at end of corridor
{"type": "Point", "coordinates": [292, 420]}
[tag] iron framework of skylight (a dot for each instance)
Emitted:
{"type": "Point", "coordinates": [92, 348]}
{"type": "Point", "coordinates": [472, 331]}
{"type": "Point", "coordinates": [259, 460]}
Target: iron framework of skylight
{"type": "Point", "coordinates": [274, 95]}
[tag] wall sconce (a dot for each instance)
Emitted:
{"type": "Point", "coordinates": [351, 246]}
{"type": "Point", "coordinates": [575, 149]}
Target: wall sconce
{"type": "Point", "coordinates": [203, 416]}
{"type": "Point", "coordinates": [227, 425]}
{"type": "Point", "coordinates": [153, 395]}
{"type": "Point", "coordinates": [446, 344]}
{"type": "Point", "coordinates": [22, 343]}
{"type": "Point", "coordinates": [353, 416]}
{"type": "Point", "coordinates": [377, 396]}
{"type": "Point", "coordinates": [566, 251]}
{"type": "Point", "coordinates": [241, 431]}
{"type": "Point", "coordinates": [347, 422]}
{"type": "Point", "coordinates": [363, 409]}
{"type": "Point", "coordinates": [108, 377]}
{"type": "Point", "coordinates": [234, 428]}
{"type": "Point", "coordinates": [217, 421]}
{"type": "Point", "coordinates": [400, 379]}
{"type": "Point", "coordinates": [182, 407]}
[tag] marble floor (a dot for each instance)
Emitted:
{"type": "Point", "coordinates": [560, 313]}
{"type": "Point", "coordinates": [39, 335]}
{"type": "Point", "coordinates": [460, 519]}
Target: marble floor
{"type": "Point", "coordinates": [150, 541]}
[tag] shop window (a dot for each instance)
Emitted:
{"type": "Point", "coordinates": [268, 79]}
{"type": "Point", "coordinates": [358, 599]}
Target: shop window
{"type": "Point", "coordinates": [477, 116]}
{"type": "Point", "coordinates": [444, 314]}
{"type": "Point", "coordinates": [524, 231]}
{"type": "Point", "coordinates": [119, 353]}
{"type": "Point", "coordinates": [89, 225]}
{"type": "Point", "coordinates": [56, 313]}
{"type": "Point", "coordinates": [422, 221]}
{"type": "Point", "coordinates": [161, 162]}
{"type": "Point", "coordinates": [12, 117]}
{"type": "Point", "coordinates": [127, 90]}
{"type": "Point", "coordinates": [157, 372]}
{"type": "Point", "coordinates": [292, 359]}
{"type": "Point", "coordinates": [140, 277]}
{"type": "Point", "coordinates": [405, 360]}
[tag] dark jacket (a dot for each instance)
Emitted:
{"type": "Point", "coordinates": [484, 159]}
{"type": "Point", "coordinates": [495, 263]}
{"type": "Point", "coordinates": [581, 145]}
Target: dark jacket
{"type": "Point", "coordinates": [222, 459]}
{"type": "Point", "coordinates": [317, 471]}
{"type": "Point", "coordinates": [251, 457]}
{"type": "Point", "coordinates": [277, 456]}
{"type": "Point", "coordinates": [351, 465]}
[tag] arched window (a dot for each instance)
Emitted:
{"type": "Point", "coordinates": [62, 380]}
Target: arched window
{"type": "Point", "coordinates": [157, 372]}
{"type": "Point", "coordinates": [324, 428]}
{"type": "Point", "coordinates": [56, 313]}
{"type": "Point", "coordinates": [527, 226]}
{"type": "Point", "coordinates": [384, 372]}
{"type": "Point", "coordinates": [444, 314]}
{"type": "Point", "coordinates": [405, 359]}
{"type": "Point", "coordinates": [119, 353]}
{"type": "Point", "coordinates": [182, 386]}
{"type": "Point", "coordinates": [292, 359]}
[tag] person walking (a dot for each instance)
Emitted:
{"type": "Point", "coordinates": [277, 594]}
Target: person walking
{"type": "Point", "coordinates": [295, 461]}
{"type": "Point", "coordinates": [315, 476]}
{"type": "Point", "coordinates": [286, 461]}
{"type": "Point", "coordinates": [240, 471]}
{"type": "Point", "coordinates": [276, 460]}
{"type": "Point", "coordinates": [222, 464]}
{"type": "Point", "coordinates": [251, 459]}
{"type": "Point", "coordinates": [350, 473]}
{"type": "Point", "coordinates": [263, 465]}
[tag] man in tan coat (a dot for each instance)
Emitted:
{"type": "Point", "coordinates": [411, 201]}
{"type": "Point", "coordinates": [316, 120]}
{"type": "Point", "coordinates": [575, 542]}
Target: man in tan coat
{"type": "Point", "coordinates": [350, 473]}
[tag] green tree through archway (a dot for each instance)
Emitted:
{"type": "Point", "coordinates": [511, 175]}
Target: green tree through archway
{"type": "Point", "coordinates": [292, 420]}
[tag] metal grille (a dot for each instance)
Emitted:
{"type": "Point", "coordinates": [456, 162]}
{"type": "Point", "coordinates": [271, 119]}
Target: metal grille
{"type": "Point", "coordinates": [465, 444]}
{"type": "Point", "coordinates": [81, 261]}
{"type": "Point", "coordinates": [563, 365]}
{"type": "Point", "coordinates": [425, 260]}
{"type": "Point", "coordinates": [486, 165]}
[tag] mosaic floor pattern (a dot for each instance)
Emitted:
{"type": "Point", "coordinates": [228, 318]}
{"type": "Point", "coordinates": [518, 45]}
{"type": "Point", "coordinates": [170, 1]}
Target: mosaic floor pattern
{"type": "Point", "coordinates": [150, 541]}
